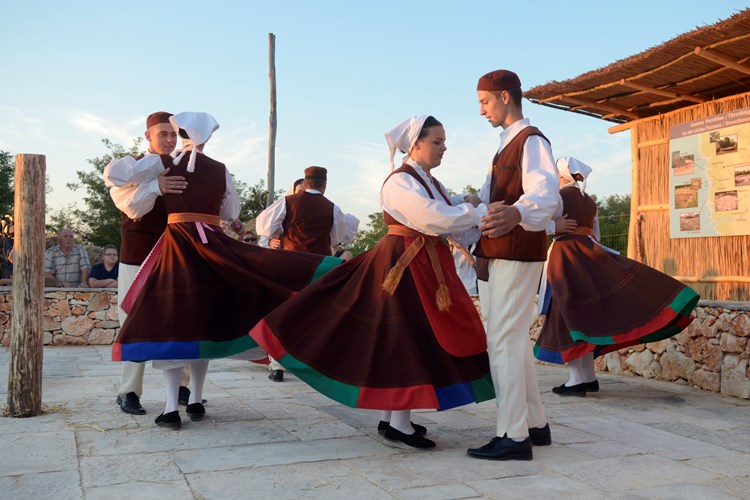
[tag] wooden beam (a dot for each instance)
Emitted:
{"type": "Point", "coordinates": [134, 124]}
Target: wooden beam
{"type": "Point", "coordinates": [713, 279]}
{"type": "Point", "coordinates": [594, 105]}
{"type": "Point", "coordinates": [655, 142]}
{"type": "Point", "coordinates": [666, 93]}
{"type": "Point", "coordinates": [652, 208]}
{"type": "Point", "coordinates": [711, 56]}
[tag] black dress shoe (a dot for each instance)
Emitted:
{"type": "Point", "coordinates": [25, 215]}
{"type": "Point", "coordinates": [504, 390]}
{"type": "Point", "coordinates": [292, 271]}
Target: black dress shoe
{"type": "Point", "coordinates": [196, 411]}
{"type": "Point", "coordinates": [183, 397]}
{"type": "Point", "coordinates": [503, 448]}
{"type": "Point", "coordinates": [398, 439]}
{"type": "Point", "coordinates": [169, 420]}
{"type": "Point", "coordinates": [540, 436]}
{"type": "Point", "coordinates": [578, 390]}
{"type": "Point", "coordinates": [276, 375]}
{"type": "Point", "coordinates": [130, 403]}
{"type": "Point", "coordinates": [591, 386]}
{"type": "Point", "coordinates": [419, 429]}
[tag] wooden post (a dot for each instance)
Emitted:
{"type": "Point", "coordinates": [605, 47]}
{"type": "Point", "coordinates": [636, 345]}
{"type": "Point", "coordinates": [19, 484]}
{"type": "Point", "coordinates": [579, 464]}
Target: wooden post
{"type": "Point", "coordinates": [272, 118]}
{"type": "Point", "coordinates": [25, 370]}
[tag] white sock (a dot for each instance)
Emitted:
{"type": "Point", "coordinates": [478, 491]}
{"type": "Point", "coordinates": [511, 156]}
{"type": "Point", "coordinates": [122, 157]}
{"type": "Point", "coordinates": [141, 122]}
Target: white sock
{"type": "Point", "coordinates": [198, 370]}
{"type": "Point", "coordinates": [172, 379]}
{"type": "Point", "coordinates": [401, 421]}
{"type": "Point", "coordinates": [385, 416]}
{"type": "Point", "coordinates": [581, 370]}
{"type": "Point", "coordinates": [589, 372]}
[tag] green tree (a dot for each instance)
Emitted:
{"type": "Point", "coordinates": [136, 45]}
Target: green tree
{"type": "Point", "coordinates": [253, 198]}
{"type": "Point", "coordinates": [7, 176]}
{"type": "Point", "coordinates": [614, 221]}
{"type": "Point", "coordinates": [365, 239]}
{"type": "Point", "coordinates": [100, 219]}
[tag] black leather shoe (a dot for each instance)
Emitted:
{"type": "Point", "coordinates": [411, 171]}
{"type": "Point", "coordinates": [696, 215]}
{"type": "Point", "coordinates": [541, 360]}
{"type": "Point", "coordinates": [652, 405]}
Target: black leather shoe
{"type": "Point", "coordinates": [398, 439]}
{"type": "Point", "coordinates": [503, 448]}
{"type": "Point", "coordinates": [419, 429]}
{"type": "Point", "coordinates": [184, 396]}
{"type": "Point", "coordinates": [276, 375]}
{"type": "Point", "coordinates": [130, 403]}
{"type": "Point", "coordinates": [169, 420]}
{"type": "Point", "coordinates": [196, 411]}
{"type": "Point", "coordinates": [540, 436]}
{"type": "Point", "coordinates": [578, 390]}
{"type": "Point", "coordinates": [591, 386]}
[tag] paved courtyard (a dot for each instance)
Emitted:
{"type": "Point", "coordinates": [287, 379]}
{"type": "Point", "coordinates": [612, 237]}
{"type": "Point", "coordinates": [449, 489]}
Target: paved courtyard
{"type": "Point", "coordinates": [636, 438]}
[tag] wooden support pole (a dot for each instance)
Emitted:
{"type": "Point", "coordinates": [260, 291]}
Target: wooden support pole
{"type": "Point", "coordinates": [25, 370]}
{"type": "Point", "coordinates": [272, 118]}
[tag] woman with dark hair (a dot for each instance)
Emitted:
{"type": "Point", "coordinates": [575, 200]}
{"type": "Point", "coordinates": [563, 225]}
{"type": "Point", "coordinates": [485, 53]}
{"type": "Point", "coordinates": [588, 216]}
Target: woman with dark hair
{"type": "Point", "coordinates": [395, 329]}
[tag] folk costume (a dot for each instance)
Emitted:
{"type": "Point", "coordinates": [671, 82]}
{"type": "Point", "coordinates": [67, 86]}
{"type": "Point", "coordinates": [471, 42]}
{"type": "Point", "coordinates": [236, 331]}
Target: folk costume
{"type": "Point", "coordinates": [522, 174]}
{"type": "Point", "coordinates": [142, 222]}
{"type": "Point", "coordinates": [190, 299]}
{"type": "Point", "coordinates": [394, 327]}
{"type": "Point", "coordinates": [306, 221]}
{"type": "Point", "coordinates": [601, 301]}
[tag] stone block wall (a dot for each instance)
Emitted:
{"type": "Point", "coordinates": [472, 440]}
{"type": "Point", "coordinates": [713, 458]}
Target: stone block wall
{"type": "Point", "coordinates": [72, 316]}
{"type": "Point", "coordinates": [713, 353]}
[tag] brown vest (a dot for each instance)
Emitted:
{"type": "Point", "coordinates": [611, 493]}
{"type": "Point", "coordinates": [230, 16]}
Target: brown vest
{"type": "Point", "coordinates": [408, 169]}
{"type": "Point", "coordinates": [137, 238]}
{"type": "Point", "coordinates": [205, 189]}
{"type": "Point", "coordinates": [506, 185]}
{"type": "Point", "coordinates": [580, 208]}
{"type": "Point", "coordinates": [307, 224]}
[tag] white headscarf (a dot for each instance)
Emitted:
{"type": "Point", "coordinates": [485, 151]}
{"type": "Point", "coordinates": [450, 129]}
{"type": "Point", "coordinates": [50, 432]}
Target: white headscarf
{"type": "Point", "coordinates": [199, 127]}
{"type": "Point", "coordinates": [567, 166]}
{"type": "Point", "coordinates": [404, 135]}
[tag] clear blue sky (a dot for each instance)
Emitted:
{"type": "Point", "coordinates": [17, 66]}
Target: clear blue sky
{"type": "Point", "coordinates": [347, 71]}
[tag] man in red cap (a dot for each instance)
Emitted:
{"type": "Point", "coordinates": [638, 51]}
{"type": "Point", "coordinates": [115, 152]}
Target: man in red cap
{"type": "Point", "coordinates": [523, 189]}
{"type": "Point", "coordinates": [138, 238]}
{"type": "Point", "coordinates": [305, 221]}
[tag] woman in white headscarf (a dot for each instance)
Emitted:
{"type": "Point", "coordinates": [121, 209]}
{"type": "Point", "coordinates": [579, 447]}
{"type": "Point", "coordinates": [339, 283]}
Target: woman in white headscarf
{"type": "Point", "coordinates": [394, 329]}
{"type": "Point", "coordinates": [199, 291]}
{"type": "Point", "coordinates": [597, 301]}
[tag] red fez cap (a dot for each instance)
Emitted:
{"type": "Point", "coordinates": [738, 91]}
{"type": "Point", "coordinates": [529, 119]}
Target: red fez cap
{"type": "Point", "coordinates": [498, 80]}
{"type": "Point", "coordinates": [157, 118]}
{"type": "Point", "coordinates": [319, 172]}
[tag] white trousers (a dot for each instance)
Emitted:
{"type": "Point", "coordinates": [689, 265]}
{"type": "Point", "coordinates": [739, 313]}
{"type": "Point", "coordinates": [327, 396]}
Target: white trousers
{"type": "Point", "coordinates": [507, 302]}
{"type": "Point", "coordinates": [132, 373]}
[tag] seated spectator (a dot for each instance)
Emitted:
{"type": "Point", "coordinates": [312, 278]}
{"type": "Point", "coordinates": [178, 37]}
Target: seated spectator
{"type": "Point", "coordinates": [104, 274]}
{"type": "Point", "coordinates": [65, 264]}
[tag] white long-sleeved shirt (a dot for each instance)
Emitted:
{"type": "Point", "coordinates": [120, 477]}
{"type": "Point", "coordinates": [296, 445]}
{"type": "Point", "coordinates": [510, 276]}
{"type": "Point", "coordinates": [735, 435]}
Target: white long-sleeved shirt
{"type": "Point", "coordinates": [271, 220]}
{"type": "Point", "coordinates": [539, 179]}
{"type": "Point", "coordinates": [407, 201]}
{"type": "Point", "coordinates": [134, 186]}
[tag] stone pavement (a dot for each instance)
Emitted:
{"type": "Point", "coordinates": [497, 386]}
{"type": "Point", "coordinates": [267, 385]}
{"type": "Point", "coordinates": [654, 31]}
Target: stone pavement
{"type": "Point", "coordinates": [636, 438]}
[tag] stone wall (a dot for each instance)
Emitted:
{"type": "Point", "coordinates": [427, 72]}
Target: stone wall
{"type": "Point", "coordinates": [72, 316]}
{"type": "Point", "coordinates": [713, 353]}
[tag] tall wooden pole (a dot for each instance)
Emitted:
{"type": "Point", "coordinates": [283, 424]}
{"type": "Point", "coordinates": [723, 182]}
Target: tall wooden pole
{"type": "Point", "coordinates": [272, 118]}
{"type": "Point", "coordinates": [25, 370]}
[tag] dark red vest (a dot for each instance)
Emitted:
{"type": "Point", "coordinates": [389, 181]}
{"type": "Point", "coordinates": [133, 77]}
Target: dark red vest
{"type": "Point", "coordinates": [137, 238]}
{"type": "Point", "coordinates": [206, 186]}
{"type": "Point", "coordinates": [307, 224]}
{"type": "Point", "coordinates": [408, 169]}
{"type": "Point", "coordinates": [506, 185]}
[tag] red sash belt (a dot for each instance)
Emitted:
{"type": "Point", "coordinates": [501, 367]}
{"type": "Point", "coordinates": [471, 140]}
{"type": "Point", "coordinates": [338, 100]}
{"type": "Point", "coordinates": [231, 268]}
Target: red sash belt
{"type": "Point", "coordinates": [397, 271]}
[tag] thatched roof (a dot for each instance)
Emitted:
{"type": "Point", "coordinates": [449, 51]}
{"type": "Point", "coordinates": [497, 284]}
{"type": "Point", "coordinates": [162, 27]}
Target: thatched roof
{"type": "Point", "coordinates": [704, 64]}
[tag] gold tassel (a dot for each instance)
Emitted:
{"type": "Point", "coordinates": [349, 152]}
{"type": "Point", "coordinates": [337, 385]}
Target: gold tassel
{"type": "Point", "coordinates": [393, 278]}
{"type": "Point", "coordinates": [443, 298]}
